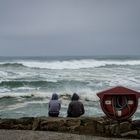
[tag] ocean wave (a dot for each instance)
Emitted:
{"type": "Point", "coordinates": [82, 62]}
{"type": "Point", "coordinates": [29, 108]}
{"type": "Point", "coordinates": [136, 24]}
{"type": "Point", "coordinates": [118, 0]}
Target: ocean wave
{"type": "Point", "coordinates": [70, 64]}
{"type": "Point", "coordinates": [39, 83]}
{"type": "Point", "coordinates": [16, 84]}
{"type": "Point", "coordinates": [85, 95]}
{"type": "Point", "coordinates": [34, 95]}
{"type": "Point", "coordinates": [11, 65]}
{"type": "Point", "coordinates": [78, 64]}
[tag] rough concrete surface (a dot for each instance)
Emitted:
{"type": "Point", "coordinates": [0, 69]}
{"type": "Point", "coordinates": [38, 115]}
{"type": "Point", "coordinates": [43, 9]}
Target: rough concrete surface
{"type": "Point", "coordinates": [46, 135]}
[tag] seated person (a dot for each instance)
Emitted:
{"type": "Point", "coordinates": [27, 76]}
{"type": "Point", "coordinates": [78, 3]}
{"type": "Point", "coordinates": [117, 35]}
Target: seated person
{"type": "Point", "coordinates": [75, 108]}
{"type": "Point", "coordinates": [54, 106]}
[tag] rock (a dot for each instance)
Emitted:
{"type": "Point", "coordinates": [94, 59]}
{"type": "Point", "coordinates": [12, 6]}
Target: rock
{"type": "Point", "coordinates": [82, 125]}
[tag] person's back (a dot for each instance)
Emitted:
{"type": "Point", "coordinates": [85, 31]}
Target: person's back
{"type": "Point", "coordinates": [75, 108]}
{"type": "Point", "coordinates": [54, 106]}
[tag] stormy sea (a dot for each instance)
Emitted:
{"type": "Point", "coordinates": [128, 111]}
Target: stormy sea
{"type": "Point", "coordinates": [27, 83]}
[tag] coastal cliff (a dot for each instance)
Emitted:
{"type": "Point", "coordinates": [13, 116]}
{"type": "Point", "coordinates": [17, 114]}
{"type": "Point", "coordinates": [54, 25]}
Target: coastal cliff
{"type": "Point", "coordinates": [97, 126]}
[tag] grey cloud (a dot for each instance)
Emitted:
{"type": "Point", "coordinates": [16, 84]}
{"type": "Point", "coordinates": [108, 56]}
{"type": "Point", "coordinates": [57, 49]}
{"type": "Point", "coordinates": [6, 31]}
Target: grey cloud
{"type": "Point", "coordinates": [69, 27]}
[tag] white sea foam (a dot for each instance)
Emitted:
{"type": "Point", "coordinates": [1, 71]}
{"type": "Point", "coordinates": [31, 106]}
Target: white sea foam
{"type": "Point", "coordinates": [3, 90]}
{"type": "Point", "coordinates": [26, 94]}
{"type": "Point", "coordinates": [24, 104]}
{"type": "Point", "coordinates": [2, 73]}
{"type": "Point", "coordinates": [78, 64]}
{"type": "Point", "coordinates": [85, 94]}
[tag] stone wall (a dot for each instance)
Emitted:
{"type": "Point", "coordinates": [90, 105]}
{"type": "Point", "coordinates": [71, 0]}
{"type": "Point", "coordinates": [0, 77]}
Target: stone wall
{"type": "Point", "coordinates": [83, 125]}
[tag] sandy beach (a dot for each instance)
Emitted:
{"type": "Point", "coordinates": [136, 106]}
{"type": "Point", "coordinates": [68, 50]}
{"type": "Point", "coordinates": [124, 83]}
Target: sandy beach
{"type": "Point", "coordinates": [46, 135]}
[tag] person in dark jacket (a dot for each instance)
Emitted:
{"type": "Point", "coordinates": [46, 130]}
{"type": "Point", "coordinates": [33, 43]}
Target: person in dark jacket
{"type": "Point", "coordinates": [75, 108]}
{"type": "Point", "coordinates": [54, 106]}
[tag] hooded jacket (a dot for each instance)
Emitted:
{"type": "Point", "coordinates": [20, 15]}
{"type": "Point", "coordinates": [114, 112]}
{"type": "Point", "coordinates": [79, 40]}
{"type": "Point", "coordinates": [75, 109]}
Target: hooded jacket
{"type": "Point", "coordinates": [54, 104]}
{"type": "Point", "coordinates": [75, 108]}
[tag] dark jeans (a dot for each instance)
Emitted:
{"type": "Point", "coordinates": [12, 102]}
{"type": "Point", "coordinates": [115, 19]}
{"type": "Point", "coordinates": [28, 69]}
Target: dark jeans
{"type": "Point", "coordinates": [53, 114]}
{"type": "Point", "coordinates": [70, 115]}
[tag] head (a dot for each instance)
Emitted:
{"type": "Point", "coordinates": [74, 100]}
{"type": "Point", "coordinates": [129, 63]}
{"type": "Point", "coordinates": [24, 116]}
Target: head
{"type": "Point", "coordinates": [75, 97]}
{"type": "Point", "coordinates": [54, 96]}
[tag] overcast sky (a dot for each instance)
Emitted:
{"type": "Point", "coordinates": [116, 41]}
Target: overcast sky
{"type": "Point", "coordinates": [69, 27]}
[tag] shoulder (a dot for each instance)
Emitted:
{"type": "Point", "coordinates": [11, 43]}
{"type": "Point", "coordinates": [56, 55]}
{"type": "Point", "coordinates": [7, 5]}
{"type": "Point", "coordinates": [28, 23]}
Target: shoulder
{"type": "Point", "coordinates": [80, 102]}
{"type": "Point", "coordinates": [59, 101]}
{"type": "Point", "coordinates": [71, 103]}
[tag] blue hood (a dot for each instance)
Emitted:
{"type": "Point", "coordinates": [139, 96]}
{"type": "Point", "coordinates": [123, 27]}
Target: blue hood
{"type": "Point", "coordinates": [54, 96]}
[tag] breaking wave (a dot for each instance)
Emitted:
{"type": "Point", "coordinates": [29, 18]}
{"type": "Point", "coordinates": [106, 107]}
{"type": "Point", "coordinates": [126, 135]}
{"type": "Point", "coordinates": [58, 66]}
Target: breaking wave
{"type": "Point", "coordinates": [71, 64]}
{"type": "Point", "coordinates": [11, 65]}
{"type": "Point", "coordinates": [78, 64]}
{"type": "Point", "coordinates": [16, 84]}
{"type": "Point", "coordinates": [85, 95]}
